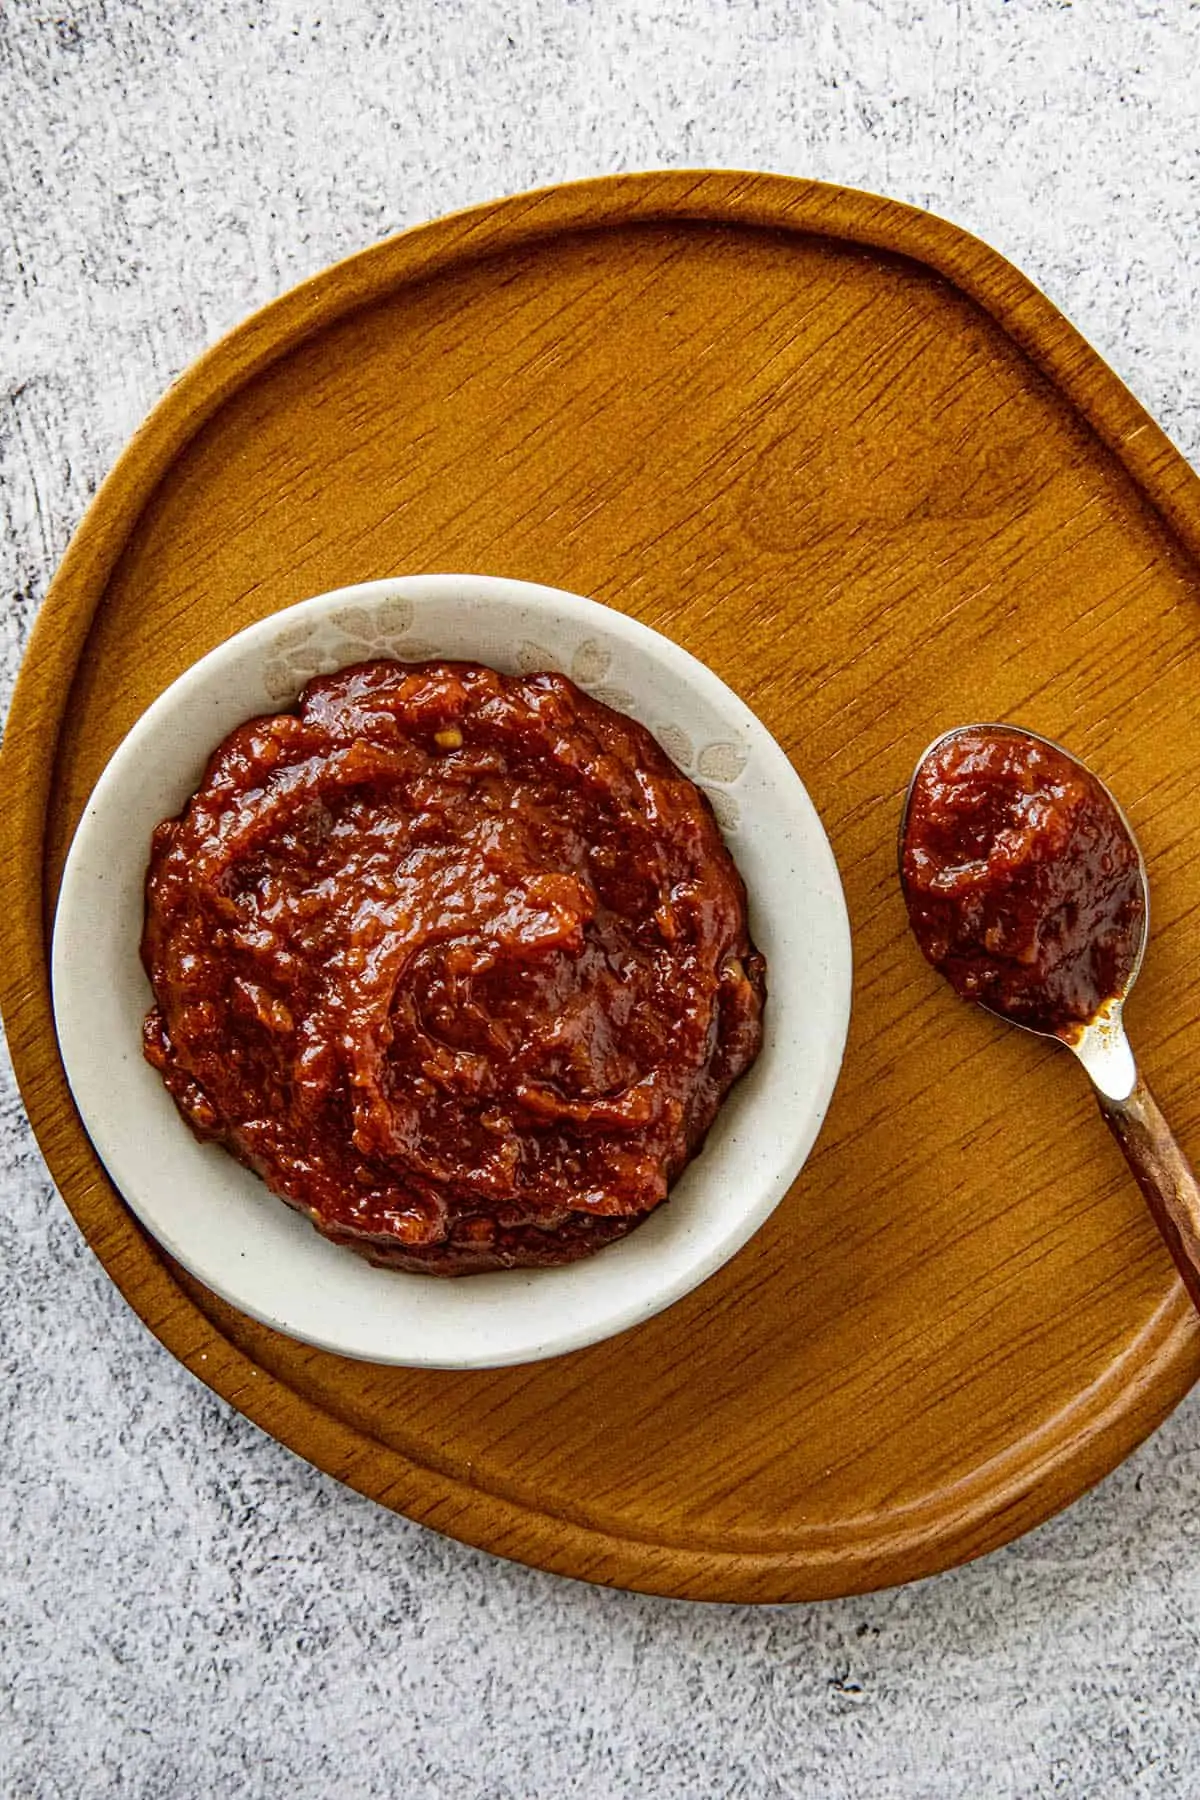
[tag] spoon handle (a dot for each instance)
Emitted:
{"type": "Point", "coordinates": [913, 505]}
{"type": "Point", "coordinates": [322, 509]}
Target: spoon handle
{"type": "Point", "coordinates": [1164, 1175]}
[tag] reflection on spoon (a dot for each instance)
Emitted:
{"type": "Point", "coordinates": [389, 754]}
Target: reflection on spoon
{"type": "Point", "coordinates": [1026, 889]}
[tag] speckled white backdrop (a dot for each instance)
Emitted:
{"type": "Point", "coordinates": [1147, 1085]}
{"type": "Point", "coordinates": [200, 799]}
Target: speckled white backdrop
{"type": "Point", "coordinates": [185, 1609]}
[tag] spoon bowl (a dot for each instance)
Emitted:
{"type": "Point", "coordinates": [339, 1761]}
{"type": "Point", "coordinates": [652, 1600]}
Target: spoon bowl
{"type": "Point", "coordinates": [1100, 1043]}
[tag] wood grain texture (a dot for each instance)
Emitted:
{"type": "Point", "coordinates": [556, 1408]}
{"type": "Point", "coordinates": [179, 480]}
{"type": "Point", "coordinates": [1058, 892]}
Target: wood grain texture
{"type": "Point", "coordinates": [853, 460]}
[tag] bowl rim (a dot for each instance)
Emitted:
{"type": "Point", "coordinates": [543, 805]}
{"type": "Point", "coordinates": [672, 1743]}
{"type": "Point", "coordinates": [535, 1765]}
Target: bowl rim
{"type": "Point", "coordinates": [648, 1299]}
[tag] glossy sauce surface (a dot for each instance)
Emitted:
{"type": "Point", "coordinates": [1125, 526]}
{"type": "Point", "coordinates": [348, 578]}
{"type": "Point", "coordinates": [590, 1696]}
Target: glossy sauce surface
{"type": "Point", "coordinates": [457, 962]}
{"type": "Point", "coordinates": [1022, 883]}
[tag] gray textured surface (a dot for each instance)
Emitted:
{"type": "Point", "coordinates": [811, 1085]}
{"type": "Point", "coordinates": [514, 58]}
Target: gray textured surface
{"type": "Point", "coordinates": [184, 1608]}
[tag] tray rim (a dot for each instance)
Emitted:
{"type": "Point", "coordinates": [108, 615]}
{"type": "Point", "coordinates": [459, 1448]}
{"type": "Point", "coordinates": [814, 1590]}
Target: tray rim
{"type": "Point", "coordinates": [1049, 1469]}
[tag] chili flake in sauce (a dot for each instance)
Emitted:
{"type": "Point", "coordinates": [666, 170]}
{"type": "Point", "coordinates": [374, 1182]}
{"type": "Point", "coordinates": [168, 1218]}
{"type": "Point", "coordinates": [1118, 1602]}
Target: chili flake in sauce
{"type": "Point", "coordinates": [458, 962]}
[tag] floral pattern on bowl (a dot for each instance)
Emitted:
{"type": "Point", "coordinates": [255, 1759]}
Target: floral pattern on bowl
{"type": "Point", "coordinates": [358, 633]}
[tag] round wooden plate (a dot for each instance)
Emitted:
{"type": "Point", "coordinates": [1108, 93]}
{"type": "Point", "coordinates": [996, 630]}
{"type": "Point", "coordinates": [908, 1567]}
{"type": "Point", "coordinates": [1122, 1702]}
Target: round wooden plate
{"type": "Point", "coordinates": [854, 461]}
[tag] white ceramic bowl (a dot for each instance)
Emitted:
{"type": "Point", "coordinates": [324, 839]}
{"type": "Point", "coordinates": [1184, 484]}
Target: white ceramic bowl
{"type": "Point", "coordinates": [219, 1220]}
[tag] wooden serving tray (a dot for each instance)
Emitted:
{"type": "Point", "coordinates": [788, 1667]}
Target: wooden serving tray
{"type": "Point", "coordinates": [853, 460]}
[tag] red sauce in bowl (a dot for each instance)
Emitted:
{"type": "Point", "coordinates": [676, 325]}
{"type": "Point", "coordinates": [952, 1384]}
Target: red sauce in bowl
{"type": "Point", "coordinates": [457, 962]}
{"type": "Point", "coordinates": [1022, 881]}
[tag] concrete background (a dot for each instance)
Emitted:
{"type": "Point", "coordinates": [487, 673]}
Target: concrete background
{"type": "Point", "coordinates": [185, 1609]}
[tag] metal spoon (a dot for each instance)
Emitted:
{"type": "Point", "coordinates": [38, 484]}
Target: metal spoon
{"type": "Point", "coordinates": [1129, 1109]}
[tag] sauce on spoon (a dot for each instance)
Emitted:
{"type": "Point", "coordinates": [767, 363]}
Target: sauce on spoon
{"type": "Point", "coordinates": [1023, 883]}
